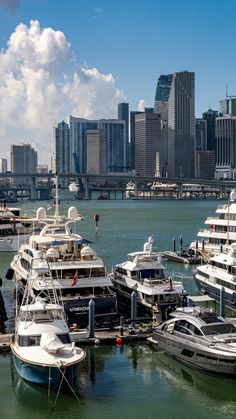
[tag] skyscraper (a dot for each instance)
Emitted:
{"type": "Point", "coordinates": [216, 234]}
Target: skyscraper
{"type": "Point", "coordinates": [123, 115]}
{"type": "Point", "coordinates": [181, 125]}
{"type": "Point", "coordinates": [201, 134]}
{"type": "Point", "coordinates": [161, 107]}
{"type": "Point", "coordinates": [62, 150]}
{"type": "Point", "coordinates": [147, 143]}
{"type": "Point", "coordinates": [114, 132]}
{"type": "Point", "coordinates": [132, 138]}
{"type": "Point", "coordinates": [96, 152]}
{"type": "Point", "coordinates": [210, 118]}
{"type": "Point", "coordinates": [24, 159]}
{"type": "Point", "coordinates": [228, 106]}
{"type": "Point", "coordinates": [226, 147]}
{"type": "Point", "coordinates": [3, 165]}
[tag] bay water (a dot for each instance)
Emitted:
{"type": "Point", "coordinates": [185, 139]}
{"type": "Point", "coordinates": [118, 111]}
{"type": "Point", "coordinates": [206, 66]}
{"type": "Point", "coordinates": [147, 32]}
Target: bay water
{"type": "Point", "coordinates": [128, 381]}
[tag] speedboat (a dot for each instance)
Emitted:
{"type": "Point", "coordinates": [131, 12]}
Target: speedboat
{"type": "Point", "coordinates": [157, 293]}
{"type": "Point", "coordinates": [42, 351]}
{"type": "Point", "coordinates": [78, 273]}
{"type": "Point", "coordinates": [220, 231]}
{"type": "Point", "coordinates": [218, 273]}
{"type": "Point", "coordinates": [199, 338]}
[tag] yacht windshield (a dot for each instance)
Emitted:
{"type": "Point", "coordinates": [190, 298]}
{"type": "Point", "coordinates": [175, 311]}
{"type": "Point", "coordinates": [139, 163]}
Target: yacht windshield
{"type": "Point", "coordinates": [218, 329]}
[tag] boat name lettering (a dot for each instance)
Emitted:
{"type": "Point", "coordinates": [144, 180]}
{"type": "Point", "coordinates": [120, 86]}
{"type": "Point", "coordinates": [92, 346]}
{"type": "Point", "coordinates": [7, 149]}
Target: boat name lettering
{"type": "Point", "coordinates": [79, 308]}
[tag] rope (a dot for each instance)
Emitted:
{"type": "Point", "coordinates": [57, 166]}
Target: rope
{"type": "Point", "coordinates": [49, 387]}
{"type": "Point", "coordinates": [59, 388]}
{"type": "Point", "coordinates": [71, 388]}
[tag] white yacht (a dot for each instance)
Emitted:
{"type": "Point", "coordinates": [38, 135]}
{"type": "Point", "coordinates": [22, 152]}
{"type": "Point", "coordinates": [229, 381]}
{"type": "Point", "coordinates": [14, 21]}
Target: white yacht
{"type": "Point", "coordinates": [219, 272]}
{"type": "Point", "coordinates": [157, 293]}
{"type": "Point", "coordinates": [220, 231]}
{"type": "Point", "coordinates": [199, 338]}
{"type": "Point", "coordinates": [14, 228]}
{"type": "Point", "coordinates": [42, 351]}
{"type": "Point", "coordinates": [130, 189]}
{"type": "Point", "coordinates": [73, 187]}
{"type": "Point", "coordinates": [78, 273]}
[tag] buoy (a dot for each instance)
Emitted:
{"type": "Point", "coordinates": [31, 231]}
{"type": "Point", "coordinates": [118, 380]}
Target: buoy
{"type": "Point", "coordinates": [97, 341]}
{"type": "Point", "coordinates": [119, 340]}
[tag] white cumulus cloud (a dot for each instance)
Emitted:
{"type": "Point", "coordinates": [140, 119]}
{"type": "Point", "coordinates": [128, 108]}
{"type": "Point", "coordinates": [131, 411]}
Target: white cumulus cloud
{"type": "Point", "coordinates": [142, 105]}
{"type": "Point", "coordinates": [41, 84]}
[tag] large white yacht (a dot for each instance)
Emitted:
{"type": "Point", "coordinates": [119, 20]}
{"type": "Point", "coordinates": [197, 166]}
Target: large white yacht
{"type": "Point", "coordinates": [14, 228]}
{"type": "Point", "coordinates": [219, 272]}
{"type": "Point", "coordinates": [42, 351]}
{"type": "Point", "coordinates": [220, 231]}
{"type": "Point", "coordinates": [78, 273]}
{"type": "Point", "coordinates": [157, 293]}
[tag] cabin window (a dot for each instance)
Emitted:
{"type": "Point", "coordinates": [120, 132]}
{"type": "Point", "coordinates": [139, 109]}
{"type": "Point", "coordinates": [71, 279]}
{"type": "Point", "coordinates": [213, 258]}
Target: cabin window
{"type": "Point", "coordinates": [29, 340]}
{"type": "Point", "coordinates": [147, 273]}
{"type": "Point", "coordinates": [65, 338]}
{"type": "Point", "coordinates": [220, 328]}
{"type": "Point", "coordinates": [25, 264]}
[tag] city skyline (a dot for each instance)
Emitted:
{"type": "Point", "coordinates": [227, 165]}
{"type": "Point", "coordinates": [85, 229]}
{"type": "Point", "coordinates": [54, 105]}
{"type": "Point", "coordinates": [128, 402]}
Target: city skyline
{"type": "Point", "coordinates": [84, 59]}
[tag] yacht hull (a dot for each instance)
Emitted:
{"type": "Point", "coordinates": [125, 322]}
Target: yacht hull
{"type": "Point", "coordinates": [214, 292]}
{"type": "Point", "coordinates": [77, 310]}
{"type": "Point", "coordinates": [195, 355]}
{"type": "Point", "coordinates": [143, 311]}
{"type": "Point", "coordinates": [44, 375]}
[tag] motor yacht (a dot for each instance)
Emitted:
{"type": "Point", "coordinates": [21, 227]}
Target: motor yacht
{"type": "Point", "coordinates": [42, 351]}
{"type": "Point", "coordinates": [157, 293]}
{"type": "Point", "coordinates": [218, 273]}
{"type": "Point", "coordinates": [78, 273]}
{"type": "Point", "coordinates": [220, 231]}
{"type": "Point", "coordinates": [14, 228]}
{"type": "Point", "coordinates": [199, 338]}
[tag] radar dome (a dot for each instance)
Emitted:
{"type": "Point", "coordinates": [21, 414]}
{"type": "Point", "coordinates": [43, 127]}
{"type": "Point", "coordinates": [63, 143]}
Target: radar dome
{"type": "Point", "coordinates": [41, 213]}
{"type": "Point", "coordinates": [72, 212]}
{"type": "Point", "coordinates": [86, 251]}
{"type": "Point", "coordinates": [52, 253]}
{"type": "Point", "coordinates": [233, 195]}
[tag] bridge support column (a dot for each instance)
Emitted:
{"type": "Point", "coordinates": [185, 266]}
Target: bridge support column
{"type": "Point", "coordinates": [180, 191]}
{"type": "Point", "coordinates": [136, 190]}
{"type": "Point", "coordinates": [86, 187]}
{"type": "Point", "coordinates": [32, 188]}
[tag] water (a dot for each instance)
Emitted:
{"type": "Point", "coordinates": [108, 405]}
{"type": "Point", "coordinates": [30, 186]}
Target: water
{"type": "Point", "coordinates": [127, 381]}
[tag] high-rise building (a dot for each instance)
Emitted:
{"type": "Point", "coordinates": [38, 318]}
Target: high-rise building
{"type": "Point", "coordinates": [3, 165]}
{"type": "Point", "coordinates": [201, 134]}
{"type": "Point", "coordinates": [161, 107]}
{"type": "Point", "coordinates": [62, 150]}
{"type": "Point", "coordinates": [78, 139]}
{"type": "Point", "coordinates": [96, 152]}
{"type": "Point", "coordinates": [123, 115]}
{"type": "Point", "coordinates": [114, 131]}
{"type": "Point", "coordinates": [132, 138]}
{"type": "Point", "coordinates": [24, 159]}
{"type": "Point", "coordinates": [210, 118]}
{"type": "Point", "coordinates": [181, 125]}
{"type": "Point", "coordinates": [226, 147]}
{"type": "Point", "coordinates": [228, 106]}
{"type": "Point", "coordinates": [205, 164]}
{"type": "Point", "coordinates": [147, 143]}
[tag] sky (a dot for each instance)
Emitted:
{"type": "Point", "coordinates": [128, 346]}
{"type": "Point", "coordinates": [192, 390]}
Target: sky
{"type": "Point", "coordinates": [83, 57]}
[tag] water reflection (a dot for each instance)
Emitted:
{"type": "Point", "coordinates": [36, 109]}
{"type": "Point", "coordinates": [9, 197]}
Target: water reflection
{"type": "Point", "coordinates": [215, 386]}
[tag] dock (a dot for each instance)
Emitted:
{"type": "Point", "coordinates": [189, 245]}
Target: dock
{"type": "Point", "coordinates": [101, 336]}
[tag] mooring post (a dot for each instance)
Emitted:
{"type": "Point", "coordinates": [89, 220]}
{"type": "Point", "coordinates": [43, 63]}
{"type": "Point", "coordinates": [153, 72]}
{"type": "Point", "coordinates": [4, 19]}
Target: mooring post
{"type": "Point", "coordinates": [134, 307]}
{"type": "Point", "coordinates": [222, 302]}
{"type": "Point", "coordinates": [91, 319]}
{"type": "Point", "coordinates": [122, 319]}
{"type": "Point", "coordinates": [174, 245]}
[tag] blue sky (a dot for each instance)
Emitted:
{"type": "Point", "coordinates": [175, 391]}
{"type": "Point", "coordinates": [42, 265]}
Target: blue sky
{"type": "Point", "coordinates": [136, 41]}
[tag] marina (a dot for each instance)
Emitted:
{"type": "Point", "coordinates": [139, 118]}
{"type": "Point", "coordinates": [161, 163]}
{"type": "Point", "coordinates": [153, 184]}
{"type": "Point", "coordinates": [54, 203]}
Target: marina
{"type": "Point", "coordinates": [109, 363]}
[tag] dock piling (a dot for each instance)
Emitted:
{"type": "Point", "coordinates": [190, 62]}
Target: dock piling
{"type": "Point", "coordinates": [222, 302]}
{"type": "Point", "coordinates": [91, 318]}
